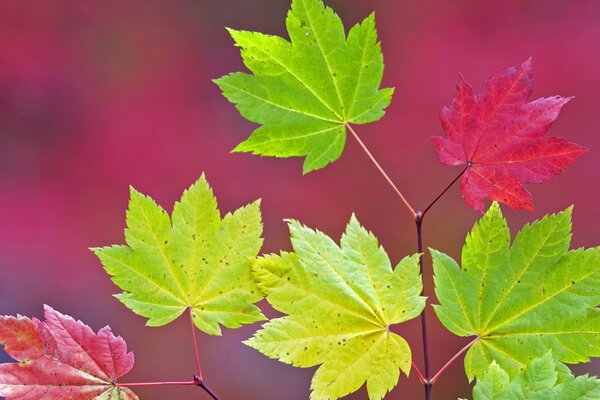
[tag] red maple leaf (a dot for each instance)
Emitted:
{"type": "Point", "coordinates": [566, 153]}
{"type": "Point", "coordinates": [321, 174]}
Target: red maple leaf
{"type": "Point", "coordinates": [500, 137]}
{"type": "Point", "coordinates": [60, 358]}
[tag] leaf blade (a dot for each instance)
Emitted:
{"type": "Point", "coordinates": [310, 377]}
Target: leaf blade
{"type": "Point", "coordinates": [542, 378]}
{"type": "Point", "coordinates": [340, 302]}
{"type": "Point", "coordinates": [500, 137]}
{"type": "Point", "coordinates": [61, 357]}
{"type": "Point", "coordinates": [197, 261]}
{"type": "Point", "coordinates": [304, 91]}
{"type": "Point", "coordinates": [524, 300]}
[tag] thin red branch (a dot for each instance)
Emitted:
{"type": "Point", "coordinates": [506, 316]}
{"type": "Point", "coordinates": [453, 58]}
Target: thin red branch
{"type": "Point", "coordinates": [411, 210]}
{"type": "Point", "coordinates": [183, 383]}
{"type": "Point", "coordinates": [456, 356]}
{"type": "Point", "coordinates": [444, 191]}
{"type": "Point", "coordinates": [198, 381]}
{"type": "Point", "coordinates": [195, 382]}
{"type": "Point", "coordinates": [198, 369]}
{"type": "Point", "coordinates": [418, 372]}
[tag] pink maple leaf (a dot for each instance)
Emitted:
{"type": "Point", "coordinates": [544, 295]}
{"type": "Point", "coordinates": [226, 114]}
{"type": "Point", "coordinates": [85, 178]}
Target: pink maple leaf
{"type": "Point", "coordinates": [61, 358]}
{"type": "Point", "coordinates": [500, 137]}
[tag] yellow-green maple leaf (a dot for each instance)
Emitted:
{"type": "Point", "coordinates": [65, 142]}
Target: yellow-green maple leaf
{"type": "Point", "coordinates": [193, 260]}
{"type": "Point", "coordinates": [341, 302]}
{"type": "Point", "coordinates": [542, 378]}
{"type": "Point", "coordinates": [523, 300]}
{"type": "Point", "coordinates": [304, 92]}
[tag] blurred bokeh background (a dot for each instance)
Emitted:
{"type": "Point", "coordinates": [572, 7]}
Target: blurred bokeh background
{"type": "Point", "coordinates": [98, 95]}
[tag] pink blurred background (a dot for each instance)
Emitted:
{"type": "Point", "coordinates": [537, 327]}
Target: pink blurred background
{"type": "Point", "coordinates": [95, 96]}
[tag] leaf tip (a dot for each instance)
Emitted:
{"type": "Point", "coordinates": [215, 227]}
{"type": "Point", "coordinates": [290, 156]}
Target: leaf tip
{"type": "Point", "coordinates": [527, 206]}
{"type": "Point", "coordinates": [219, 81]}
{"type": "Point", "coordinates": [243, 147]}
{"type": "Point", "coordinates": [495, 208]}
{"type": "Point", "coordinates": [569, 210]}
{"type": "Point", "coordinates": [433, 252]}
{"type": "Point", "coordinates": [369, 20]}
{"type": "Point", "coordinates": [581, 149]}
{"type": "Point", "coordinates": [291, 221]}
{"type": "Point", "coordinates": [95, 250]}
{"type": "Point", "coordinates": [134, 193]}
{"type": "Point", "coordinates": [308, 167]}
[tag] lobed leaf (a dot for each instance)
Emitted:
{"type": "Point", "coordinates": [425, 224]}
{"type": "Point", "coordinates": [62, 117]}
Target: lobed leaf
{"type": "Point", "coordinates": [521, 300]}
{"type": "Point", "coordinates": [61, 358]}
{"type": "Point", "coordinates": [543, 378]}
{"type": "Point", "coordinates": [340, 303]}
{"type": "Point", "coordinates": [305, 91]}
{"type": "Point", "coordinates": [193, 260]}
{"type": "Point", "coordinates": [499, 136]}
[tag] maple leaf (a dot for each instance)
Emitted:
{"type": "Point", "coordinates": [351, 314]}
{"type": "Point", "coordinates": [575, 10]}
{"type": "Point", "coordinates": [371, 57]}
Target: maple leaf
{"type": "Point", "coordinates": [521, 300]}
{"type": "Point", "coordinates": [194, 260]}
{"type": "Point", "coordinates": [542, 378]}
{"type": "Point", "coordinates": [60, 358]}
{"type": "Point", "coordinates": [340, 303]}
{"type": "Point", "coordinates": [304, 92]}
{"type": "Point", "coordinates": [500, 137]}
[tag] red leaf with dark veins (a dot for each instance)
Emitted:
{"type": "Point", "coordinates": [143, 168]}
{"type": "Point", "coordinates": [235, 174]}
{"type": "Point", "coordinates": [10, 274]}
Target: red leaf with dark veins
{"type": "Point", "coordinates": [61, 358]}
{"type": "Point", "coordinates": [500, 137]}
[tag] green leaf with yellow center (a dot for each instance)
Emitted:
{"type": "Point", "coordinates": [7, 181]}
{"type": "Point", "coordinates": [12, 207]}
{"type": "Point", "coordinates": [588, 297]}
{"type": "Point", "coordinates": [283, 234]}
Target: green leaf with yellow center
{"type": "Point", "coordinates": [340, 302]}
{"type": "Point", "coordinates": [521, 300]}
{"type": "Point", "coordinates": [304, 92]}
{"type": "Point", "coordinates": [194, 260]}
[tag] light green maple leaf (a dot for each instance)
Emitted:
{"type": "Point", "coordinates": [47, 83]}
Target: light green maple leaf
{"type": "Point", "coordinates": [521, 300]}
{"type": "Point", "coordinates": [341, 302]}
{"type": "Point", "coordinates": [304, 92]}
{"type": "Point", "coordinates": [196, 261]}
{"type": "Point", "coordinates": [542, 379]}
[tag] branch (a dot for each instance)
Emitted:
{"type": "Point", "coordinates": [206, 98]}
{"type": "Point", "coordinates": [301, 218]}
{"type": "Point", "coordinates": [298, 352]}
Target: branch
{"type": "Point", "coordinates": [444, 191]}
{"type": "Point", "coordinates": [172, 383]}
{"type": "Point", "coordinates": [419, 374]}
{"type": "Point", "coordinates": [198, 369]}
{"type": "Point", "coordinates": [201, 384]}
{"type": "Point", "coordinates": [457, 355]}
{"type": "Point", "coordinates": [411, 210]}
{"type": "Point", "coordinates": [198, 377]}
{"type": "Point", "coordinates": [195, 382]}
{"type": "Point", "coordinates": [426, 381]}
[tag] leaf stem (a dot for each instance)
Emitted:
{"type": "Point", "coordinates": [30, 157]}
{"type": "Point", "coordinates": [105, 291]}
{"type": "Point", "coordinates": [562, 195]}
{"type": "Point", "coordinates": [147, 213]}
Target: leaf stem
{"type": "Point", "coordinates": [418, 372]}
{"type": "Point", "coordinates": [198, 369]}
{"type": "Point", "coordinates": [457, 355]}
{"type": "Point", "coordinates": [198, 381]}
{"type": "Point", "coordinates": [195, 382]}
{"type": "Point", "coordinates": [174, 383]}
{"type": "Point", "coordinates": [444, 191]}
{"type": "Point", "coordinates": [411, 210]}
{"type": "Point", "coordinates": [418, 217]}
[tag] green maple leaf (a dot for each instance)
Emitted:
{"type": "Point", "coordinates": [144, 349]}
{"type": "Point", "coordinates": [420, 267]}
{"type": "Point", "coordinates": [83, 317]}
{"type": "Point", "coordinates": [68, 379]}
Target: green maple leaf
{"type": "Point", "coordinates": [304, 92]}
{"type": "Point", "coordinates": [542, 379]}
{"type": "Point", "coordinates": [195, 260]}
{"type": "Point", "coordinates": [341, 302]}
{"type": "Point", "coordinates": [521, 300]}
